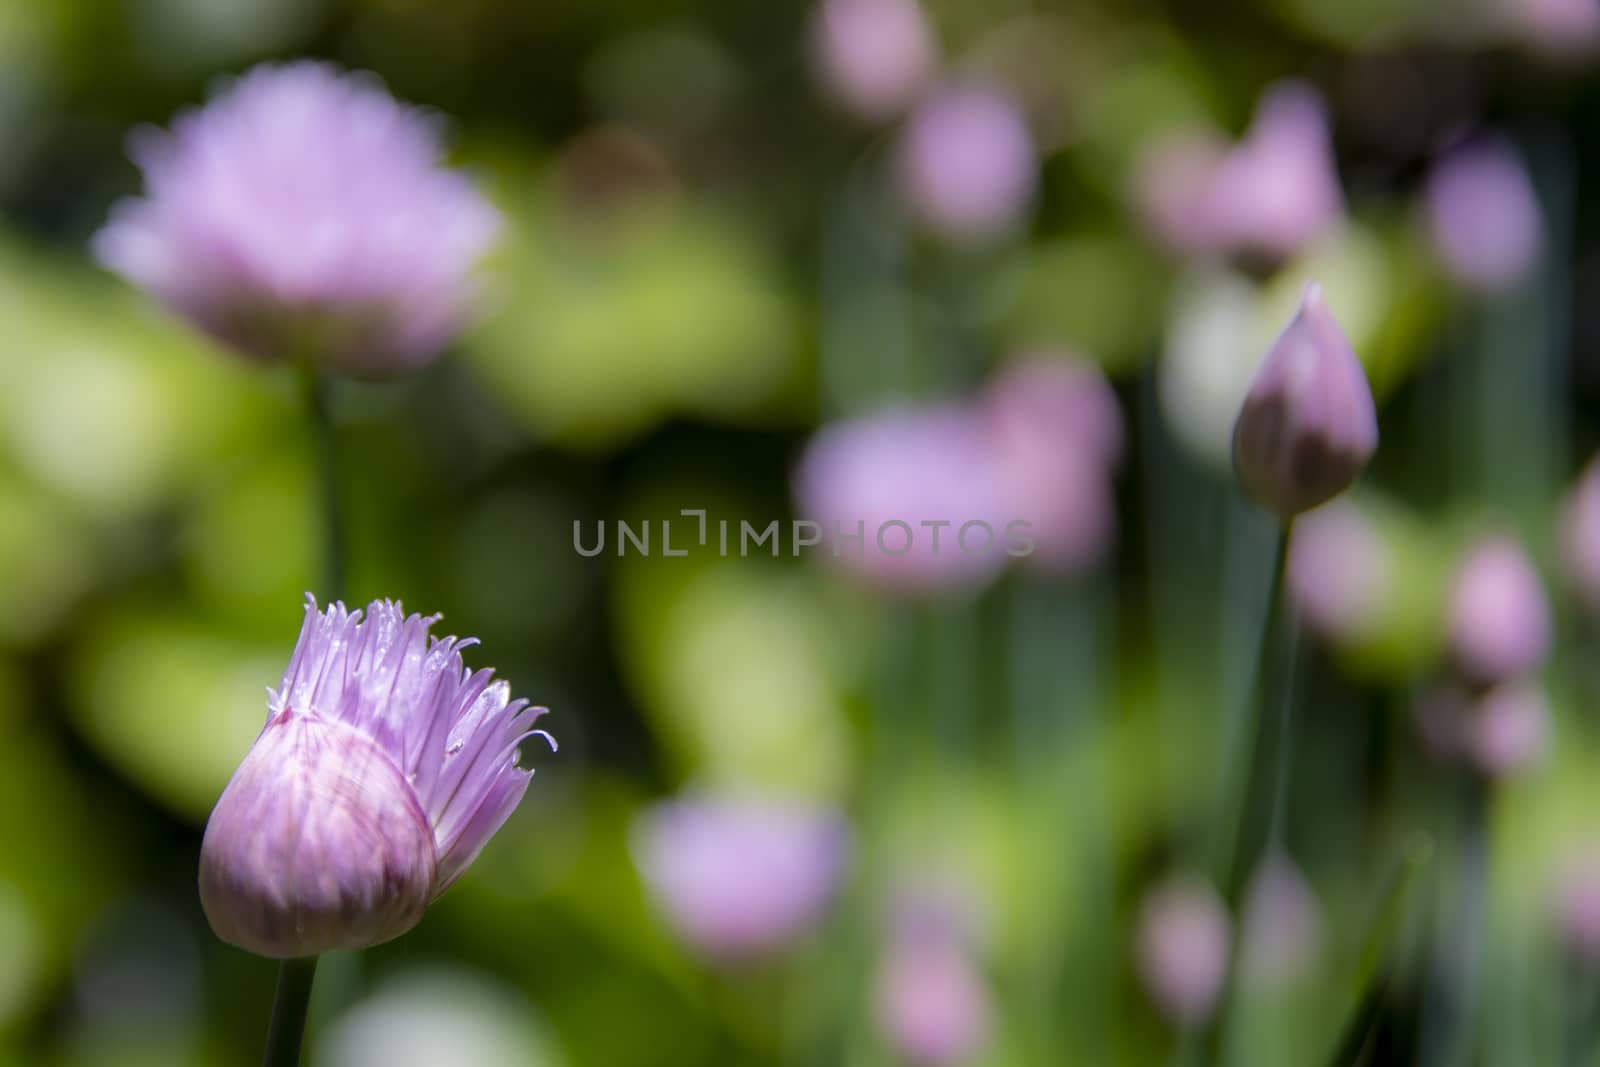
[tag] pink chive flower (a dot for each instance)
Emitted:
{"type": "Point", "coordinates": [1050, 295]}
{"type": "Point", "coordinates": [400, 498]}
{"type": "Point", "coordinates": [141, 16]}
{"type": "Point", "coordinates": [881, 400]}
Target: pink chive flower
{"type": "Point", "coordinates": [1509, 729]}
{"type": "Point", "coordinates": [1483, 215]}
{"type": "Point", "coordinates": [1171, 190]}
{"type": "Point", "coordinates": [1277, 191]}
{"type": "Point", "coordinates": [1340, 571]}
{"type": "Point", "coordinates": [740, 878]}
{"type": "Point", "coordinates": [1580, 536]}
{"type": "Point", "coordinates": [1308, 425]}
{"type": "Point", "coordinates": [933, 1002]}
{"type": "Point", "coordinates": [1183, 949]}
{"type": "Point", "coordinates": [384, 768]}
{"type": "Point", "coordinates": [873, 56]}
{"type": "Point", "coordinates": [304, 213]}
{"type": "Point", "coordinates": [1058, 435]}
{"type": "Point", "coordinates": [1499, 620]}
{"type": "Point", "coordinates": [907, 483]}
{"type": "Point", "coordinates": [1283, 927]}
{"type": "Point", "coordinates": [967, 163]}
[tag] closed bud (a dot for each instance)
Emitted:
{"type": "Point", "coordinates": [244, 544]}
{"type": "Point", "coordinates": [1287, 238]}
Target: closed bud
{"type": "Point", "coordinates": [1308, 425]}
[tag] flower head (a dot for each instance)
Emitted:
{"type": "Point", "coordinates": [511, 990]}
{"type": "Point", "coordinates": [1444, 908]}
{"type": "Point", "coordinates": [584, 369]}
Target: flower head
{"type": "Point", "coordinates": [304, 212]}
{"type": "Point", "coordinates": [1183, 949]}
{"type": "Point", "coordinates": [1308, 425]}
{"type": "Point", "coordinates": [922, 488]}
{"type": "Point", "coordinates": [933, 1003]}
{"type": "Point", "coordinates": [741, 877]}
{"type": "Point", "coordinates": [384, 768]}
{"type": "Point", "coordinates": [873, 56]}
{"type": "Point", "coordinates": [1483, 215]}
{"type": "Point", "coordinates": [967, 162]}
{"type": "Point", "coordinates": [1341, 572]}
{"type": "Point", "coordinates": [1499, 618]}
{"type": "Point", "coordinates": [1580, 536]}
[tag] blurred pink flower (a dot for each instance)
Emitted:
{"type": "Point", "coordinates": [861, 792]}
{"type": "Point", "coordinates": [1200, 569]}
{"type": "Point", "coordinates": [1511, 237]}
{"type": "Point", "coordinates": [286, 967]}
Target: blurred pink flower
{"type": "Point", "coordinates": [932, 1003]}
{"type": "Point", "coordinates": [873, 56]}
{"type": "Point", "coordinates": [384, 768]}
{"type": "Point", "coordinates": [1058, 433]}
{"type": "Point", "coordinates": [1282, 923]}
{"type": "Point", "coordinates": [888, 474]}
{"type": "Point", "coordinates": [1509, 729]}
{"type": "Point", "coordinates": [1183, 948]}
{"type": "Point", "coordinates": [967, 164]}
{"type": "Point", "coordinates": [1265, 199]}
{"type": "Point", "coordinates": [741, 877]}
{"type": "Point", "coordinates": [1278, 190]}
{"type": "Point", "coordinates": [304, 213]}
{"type": "Point", "coordinates": [1308, 425]}
{"type": "Point", "coordinates": [1580, 535]}
{"type": "Point", "coordinates": [1499, 621]}
{"type": "Point", "coordinates": [1340, 571]}
{"type": "Point", "coordinates": [1482, 213]}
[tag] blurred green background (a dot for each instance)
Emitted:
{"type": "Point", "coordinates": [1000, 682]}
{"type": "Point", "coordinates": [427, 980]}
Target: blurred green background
{"type": "Point", "coordinates": [700, 268]}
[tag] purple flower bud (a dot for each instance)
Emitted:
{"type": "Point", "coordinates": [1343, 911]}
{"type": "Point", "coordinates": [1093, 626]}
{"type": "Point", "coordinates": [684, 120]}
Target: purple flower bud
{"type": "Point", "coordinates": [1282, 923]}
{"type": "Point", "coordinates": [1183, 947]}
{"type": "Point", "coordinates": [967, 163]}
{"type": "Point", "coordinates": [740, 878]}
{"type": "Point", "coordinates": [1278, 190]}
{"type": "Point", "coordinates": [932, 1002]}
{"type": "Point", "coordinates": [305, 213]}
{"type": "Point", "coordinates": [1058, 432]}
{"type": "Point", "coordinates": [1340, 571]}
{"type": "Point", "coordinates": [1308, 425]}
{"type": "Point", "coordinates": [1509, 729]}
{"type": "Point", "coordinates": [1580, 536]}
{"type": "Point", "coordinates": [873, 56]}
{"type": "Point", "coordinates": [1483, 215]}
{"type": "Point", "coordinates": [1499, 619]}
{"type": "Point", "coordinates": [1577, 902]}
{"type": "Point", "coordinates": [384, 768]}
{"type": "Point", "coordinates": [907, 483]}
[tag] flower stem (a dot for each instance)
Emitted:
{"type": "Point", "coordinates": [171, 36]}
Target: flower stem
{"type": "Point", "coordinates": [325, 445]}
{"type": "Point", "coordinates": [289, 1012]}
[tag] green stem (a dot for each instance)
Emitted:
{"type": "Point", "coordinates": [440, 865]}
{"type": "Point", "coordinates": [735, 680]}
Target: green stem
{"type": "Point", "coordinates": [289, 1012]}
{"type": "Point", "coordinates": [325, 445]}
{"type": "Point", "coordinates": [1252, 819]}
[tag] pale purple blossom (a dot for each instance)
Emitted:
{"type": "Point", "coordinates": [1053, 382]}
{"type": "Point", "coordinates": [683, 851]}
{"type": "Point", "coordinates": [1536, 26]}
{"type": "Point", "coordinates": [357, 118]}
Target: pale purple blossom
{"type": "Point", "coordinates": [1341, 572]}
{"type": "Point", "coordinates": [1277, 192]}
{"type": "Point", "coordinates": [384, 767]}
{"type": "Point", "coordinates": [1308, 425]}
{"type": "Point", "coordinates": [873, 56]}
{"type": "Point", "coordinates": [741, 877]}
{"type": "Point", "coordinates": [967, 162]}
{"type": "Point", "coordinates": [1499, 619]}
{"type": "Point", "coordinates": [907, 482]}
{"type": "Point", "coordinates": [933, 1003]}
{"type": "Point", "coordinates": [1183, 949]}
{"type": "Point", "coordinates": [1483, 215]}
{"type": "Point", "coordinates": [1509, 729]}
{"type": "Point", "coordinates": [303, 213]}
{"type": "Point", "coordinates": [1283, 928]}
{"type": "Point", "coordinates": [1058, 434]}
{"type": "Point", "coordinates": [1563, 30]}
{"type": "Point", "coordinates": [1264, 199]}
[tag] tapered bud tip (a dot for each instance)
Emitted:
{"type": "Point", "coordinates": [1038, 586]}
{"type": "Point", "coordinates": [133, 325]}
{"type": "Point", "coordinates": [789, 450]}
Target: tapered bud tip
{"type": "Point", "coordinates": [1308, 425]}
{"type": "Point", "coordinates": [317, 844]}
